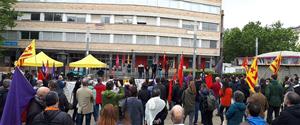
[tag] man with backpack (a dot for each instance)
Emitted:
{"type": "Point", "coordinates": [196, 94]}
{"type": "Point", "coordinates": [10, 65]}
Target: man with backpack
{"type": "Point", "coordinates": [208, 105]}
{"type": "Point", "coordinates": [52, 115]}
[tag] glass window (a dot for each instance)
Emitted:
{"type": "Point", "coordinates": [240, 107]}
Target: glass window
{"type": "Point", "coordinates": [189, 25]}
{"type": "Point", "coordinates": [122, 38]}
{"type": "Point", "coordinates": [10, 35]}
{"type": "Point", "coordinates": [76, 18]}
{"type": "Point", "coordinates": [53, 17]}
{"type": "Point", "coordinates": [163, 3]}
{"type": "Point", "coordinates": [29, 35]}
{"type": "Point", "coordinates": [187, 42]}
{"type": "Point", "coordinates": [52, 36]}
{"type": "Point", "coordinates": [143, 39]}
{"type": "Point", "coordinates": [101, 38]}
{"type": "Point", "coordinates": [123, 19]}
{"type": "Point", "coordinates": [205, 44]}
{"type": "Point", "coordinates": [34, 35]}
{"type": "Point", "coordinates": [169, 22]}
{"type": "Point", "coordinates": [213, 44]}
{"type": "Point", "coordinates": [105, 19]}
{"type": "Point", "coordinates": [70, 36]}
{"type": "Point", "coordinates": [170, 41]}
{"type": "Point", "coordinates": [47, 35]}
{"type": "Point", "coordinates": [25, 35]}
{"type": "Point", "coordinates": [209, 26]}
{"type": "Point", "coordinates": [35, 16]}
{"type": "Point", "coordinates": [25, 16]}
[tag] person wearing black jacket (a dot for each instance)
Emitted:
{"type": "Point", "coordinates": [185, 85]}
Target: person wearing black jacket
{"type": "Point", "coordinates": [154, 69]}
{"type": "Point", "coordinates": [160, 117]}
{"type": "Point", "coordinates": [52, 115]}
{"type": "Point", "coordinates": [37, 104]}
{"type": "Point", "coordinates": [291, 113]}
{"type": "Point", "coordinates": [75, 101]}
{"type": "Point", "coordinates": [144, 95]}
{"type": "Point", "coordinates": [3, 94]}
{"type": "Point", "coordinates": [63, 101]}
{"type": "Point", "coordinates": [162, 87]}
{"type": "Point", "coordinates": [245, 89]}
{"type": "Point", "coordinates": [176, 94]}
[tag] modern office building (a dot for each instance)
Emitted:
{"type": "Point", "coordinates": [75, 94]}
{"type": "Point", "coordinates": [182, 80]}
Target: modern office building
{"type": "Point", "coordinates": [142, 29]}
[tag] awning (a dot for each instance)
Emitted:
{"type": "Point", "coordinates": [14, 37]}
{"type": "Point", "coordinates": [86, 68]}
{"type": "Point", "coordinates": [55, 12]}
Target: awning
{"type": "Point", "coordinates": [88, 62]}
{"type": "Point", "coordinates": [39, 59]}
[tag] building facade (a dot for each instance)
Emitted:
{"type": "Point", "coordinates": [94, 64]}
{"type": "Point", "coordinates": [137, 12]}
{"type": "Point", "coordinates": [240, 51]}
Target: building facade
{"type": "Point", "coordinates": [142, 30]}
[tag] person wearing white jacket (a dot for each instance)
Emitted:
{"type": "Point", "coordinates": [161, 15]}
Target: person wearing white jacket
{"type": "Point", "coordinates": [154, 106]}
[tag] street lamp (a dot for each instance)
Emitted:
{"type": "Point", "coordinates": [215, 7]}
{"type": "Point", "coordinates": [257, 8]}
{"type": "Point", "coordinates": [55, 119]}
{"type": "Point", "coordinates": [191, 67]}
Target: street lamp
{"type": "Point", "coordinates": [194, 47]}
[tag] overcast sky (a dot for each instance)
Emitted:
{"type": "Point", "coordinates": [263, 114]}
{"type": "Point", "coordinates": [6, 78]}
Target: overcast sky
{"type": "Point", "coordinates": [240, 12]}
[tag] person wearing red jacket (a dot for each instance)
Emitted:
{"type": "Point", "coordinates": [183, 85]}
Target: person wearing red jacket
{"type": "Point", "coordinates": [225, 98]}
{"type": "Point", "coordinates": [99, 89]}
{"type": "Point", "coordinates": [216, 88]}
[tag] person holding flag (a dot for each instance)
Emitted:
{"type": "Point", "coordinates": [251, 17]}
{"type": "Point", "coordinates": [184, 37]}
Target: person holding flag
{"type": "Point", "coordinates": [28, 52]}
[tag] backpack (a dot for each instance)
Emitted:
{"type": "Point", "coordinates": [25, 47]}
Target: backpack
{"type": "Point", "coordinates": [45, 121]}
{"type": "Point", "coordinates": [211, 102]}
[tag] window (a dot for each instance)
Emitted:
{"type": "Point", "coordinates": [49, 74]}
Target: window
{"type": "Point", "coordinates": [146, 20]}
{"type": "Point", "coordinates": [209, 26]}
{"type": "Point", "coordinates": [25, 16]}
{"type": "Point", "coordinates": [10, 35]}
{"type": "Point", "coordinates": [76, 18]}
{"type": "Point", "coordinates": [189, 25]}
{"type": "Point", "coordinates": [52, 36]}
{"type": "Point", "coordinates": [122, 38]}
{"type": "Point", "coordinates": [169, 22]}
{"type": "Point", "coordinates": [123, 19]}
{"type": "Point", "coordinates": [209, 44]}
{"type": "Point", "coordinates": [101, 38]}
{"type": "Point", "coordinates": [53, 17]}
{"type": "Point", "coordinates": [29, 35]}
{"type": "Point", "coordinates": [187, 42]}
{"type": "Point", "coordinates": [35, 16]}
{"type": "Point", "coordinates": [76, 37]}
{"type": "Point", "coordinates": [105, 19]}
{"type": "Point", "coordinates": [170, 41]}
{"type": "Point", "coordinates": [142, 39]}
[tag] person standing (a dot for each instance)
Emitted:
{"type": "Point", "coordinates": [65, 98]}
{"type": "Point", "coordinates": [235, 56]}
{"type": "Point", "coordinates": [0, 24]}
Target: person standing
{"type": "Point", "coordinates": [198, 83]}
{"type": "Point", "coordinates": [147, 68]}
{"type": "Point", "coordinates": [61, 83]}
{"type": "Point", "coordinates": [259, 98]}
{"type": "Point", "coordinates": [154, 69]}
{"type": "Point", "coordinates": [37, 104]}
{"type": "Point", "coordinates": [206, 112]}
{"type": "Point", "coordinates": [75, 101]}
{"type": "Point", "coordinates": [291, 113]}
{"type": "Point", "coordinates": [154, 106]}
{"type": "Point", "coordinates": [253, 115]}
{"type": "Point", "coordinates": [244, 87]}
{"type": "Point", "coordinates": [85, 103]}
{"type": "Point", "coordinates": [188, 101]}
{"type": "Point", "coordinates": [274, 94]}
{"type": "Point", "coordinates": [111, 97]}
{"type": "Point", "coordinates": [99, 87]}
{"type": "Point", "coordinates": [177, 115]}
{"type": "Point", "coordinates": [167, 66]}
{"type": "Point", "coordinates": [160, 67]}
{"type": "Point", "coordinates": [63, 103]}
{"type": "Point", "coordinates": [144, 95]}
{"type": "Point", "coordinates": [3, 94]}
{"type": "Point", "coordinates": [108, 116]}
{"type": "Point", "coordinates": [237, 110]}
{"type": "Point", "coordinates": [225, 94]}
{"type": "Point", "coordinates": [52, 115]}
{"type": "Point", "coordinates": [216, 88]}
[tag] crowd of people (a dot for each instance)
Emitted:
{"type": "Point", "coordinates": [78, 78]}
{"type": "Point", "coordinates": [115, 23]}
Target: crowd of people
{"type": "Point", "coordinates": [115, 102]}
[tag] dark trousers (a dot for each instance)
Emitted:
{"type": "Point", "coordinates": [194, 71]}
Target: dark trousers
{"type": "Point", "coordinates": [272, 109]}
{"type": "Point", "coordinates": [166, 74]}
{"type": "Point", "coordinates": [197, 108]}
{"type": "Point", "coordinates": [96, 112]}
{"type": "Point", "coordinates": [222, 112]}
{"type": "Point", "coordinates": [74, 114]}
{"type": "Point", "coordinates": [206, 117]}
{"type": "Point", "coordinates": [79, 119]}
{"type": "Point", "coordinates": [140, 75]}
{"type": "Point", "coordinates": [153, 74]}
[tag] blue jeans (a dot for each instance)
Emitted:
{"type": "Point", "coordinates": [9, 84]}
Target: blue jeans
{"type": "Point", "coordinates": [96, 112]}
{"type": "Point", "coordinates": [79, 119]}
{"type": "Point", "coordinates": [197, 108]}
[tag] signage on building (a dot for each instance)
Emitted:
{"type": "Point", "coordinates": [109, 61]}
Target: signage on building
{"type": "Point", "coordinates": [10, 43]}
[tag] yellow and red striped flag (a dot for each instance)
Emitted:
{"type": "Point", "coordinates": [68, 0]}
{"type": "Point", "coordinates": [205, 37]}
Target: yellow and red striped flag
{"type": "Point", "coordinates": [28, 52]}
{"type": "Point", "coordinates": [252, 75]}
{"type": "Point", "coordinates": [275, 65]}
{"type": "Point", "coordinates": [245, 63]}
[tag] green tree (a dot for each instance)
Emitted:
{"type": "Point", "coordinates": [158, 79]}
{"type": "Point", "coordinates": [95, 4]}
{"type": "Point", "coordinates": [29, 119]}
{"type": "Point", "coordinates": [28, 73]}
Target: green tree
{"type": "Point", "coordinates": [241, 42]}
{"type": "Point", "coordinates": [7, 15]}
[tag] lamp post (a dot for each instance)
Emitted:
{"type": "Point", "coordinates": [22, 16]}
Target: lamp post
{"type": "Point", "coordinates": [194, 51]}
{"type": "Point", "coordinates": [87, 49]}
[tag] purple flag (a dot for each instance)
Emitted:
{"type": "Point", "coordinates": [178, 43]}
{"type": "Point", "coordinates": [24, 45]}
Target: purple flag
{"type": "Point", "coordinates": [19, 95]}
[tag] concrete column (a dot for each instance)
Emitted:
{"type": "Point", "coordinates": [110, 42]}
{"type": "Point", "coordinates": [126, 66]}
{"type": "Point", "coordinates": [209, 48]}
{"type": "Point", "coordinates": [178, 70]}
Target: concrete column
{"type": "Point", "coordinates": [64, 36]}
{"type": "Point", "coordinates": [198, 62]}
{"type": "Point", "coordinates": [133, 39]}
{"type": "Point", "coordinates": [179, 41]}
{"type": "Point", "coordinates": [88, 18]}
{"type": "Point", "coordinates": [134, 20]}
{"type": "Point", "coordinates": [111, 38]}
{"type": "Point", "coordinates": [42, 17]}
{"type": "Point", "coordinates": [112, 19]}
{"type": "Point", "coordinates": [110, 61]}
{"type": "Point", "coordinates": [200, 26]}
{"type": "Point", "coordinates": [157, 40]}
{"type": "Point", "coordinates": [178, 61]}
{"type": "Point", "coordinates": [157, 21]}
{"type": "Point", "coordinates": [180, 23]}
{"type": "Point", "coordinates": [210, 62]}
{"type": "Point", "coordinates": [64, 17]}
{"type": "Point", "coordinates": [133, 64]}
{"type": "Point", "coordinates": [200, 43]}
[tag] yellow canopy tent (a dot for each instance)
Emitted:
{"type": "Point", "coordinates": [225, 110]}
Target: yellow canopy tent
{"type": "Point", "coordinates": [39, 59]}
{"type": "Point", "coordinates": [88, 62]}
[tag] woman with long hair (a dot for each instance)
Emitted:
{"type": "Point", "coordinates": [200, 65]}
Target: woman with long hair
{"type": "Point", "coordinates": [225, 94]}
{"type": "Point", "coordinates": [188, 100]}
{"type": "Point", "coordinates": [109, 115]}
{"type": "Point", "coordinates": [75, 101]}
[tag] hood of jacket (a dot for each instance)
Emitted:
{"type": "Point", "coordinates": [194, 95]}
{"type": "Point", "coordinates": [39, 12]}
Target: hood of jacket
{"type": "Point", "coordinates": [50, 115]}
{"type": "Point", "coordinates": [240, 106]}
{"type": "Point", "coordinates": [256, 121]}
{"type": "Point", "coordinates": [108, 94]}
{"type": "Point", "coordinates": [294, 110]}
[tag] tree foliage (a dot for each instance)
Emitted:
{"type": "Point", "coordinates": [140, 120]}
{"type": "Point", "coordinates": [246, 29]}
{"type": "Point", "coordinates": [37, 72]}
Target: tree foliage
{"type": "Point", "coordinates": [241, 42]}
{"type": "Point", "coordinates": [7, 15]}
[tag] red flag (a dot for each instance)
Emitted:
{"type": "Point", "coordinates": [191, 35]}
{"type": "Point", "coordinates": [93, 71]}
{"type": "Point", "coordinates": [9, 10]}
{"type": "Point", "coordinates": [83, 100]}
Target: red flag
{"type": "Point", "coordinates": [245, 63]}
{"type": "Point", "coordinates": [171, 88]}
{"type": "Point", "coordinates": [164, 61]}
{"type": "Point", "coordinates": [209, 80]}
{"type": "Point", "coordinates": [117, 62]}
{"type": "Point", "coordinates": [180, 71]}
{"type": "Point", "coordinates": [40, 75]}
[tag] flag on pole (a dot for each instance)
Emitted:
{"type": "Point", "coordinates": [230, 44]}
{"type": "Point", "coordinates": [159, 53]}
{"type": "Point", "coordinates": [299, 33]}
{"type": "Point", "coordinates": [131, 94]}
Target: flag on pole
{"type": "Point", "coordinates": [171, 88]}
{"type": "Point", "coordinates": [28, 52]}
{"type": "Point", "coordinates": [245, 63]}
{"type": "Point", "coordinates": [180, 71]}
{"type": "Point", "coordinates": [117, 61]}
{"type": "Point", "coordinates": [209, 80]}
{"type": "Point", "coordinates": [275, 65]}
{"type": "Point", "coordinates": [219, 66]}
{"type": "Point", "coordinates": [18, 97]}
{"type": "Point", "coordinates": [40, 75]}
{"type": "Point", "coordinates": [202, 65]}
{"type": "Point", "coordinates": [252, 75]}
